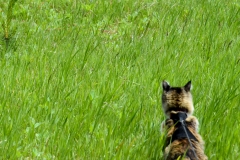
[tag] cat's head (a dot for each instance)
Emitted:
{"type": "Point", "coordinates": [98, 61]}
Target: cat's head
{"type": "Point", "coordinates": [177, 99]}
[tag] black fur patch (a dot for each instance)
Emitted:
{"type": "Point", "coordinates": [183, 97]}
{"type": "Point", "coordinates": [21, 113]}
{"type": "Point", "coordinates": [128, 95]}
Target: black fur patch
{"type": "Point", "coordinates": [179, 133]}
{"type": "Point", "coordinates": [177, 89]}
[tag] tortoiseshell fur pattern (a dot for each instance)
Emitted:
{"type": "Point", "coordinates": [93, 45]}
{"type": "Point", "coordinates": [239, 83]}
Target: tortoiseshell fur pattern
{"type": "Point", "coordinates": [174, 100]}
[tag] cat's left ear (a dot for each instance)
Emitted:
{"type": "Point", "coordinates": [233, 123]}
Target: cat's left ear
{"type": "Point", "coordinates": [188, 86]}
{"type": "Point", "coordinates": [166, 86]}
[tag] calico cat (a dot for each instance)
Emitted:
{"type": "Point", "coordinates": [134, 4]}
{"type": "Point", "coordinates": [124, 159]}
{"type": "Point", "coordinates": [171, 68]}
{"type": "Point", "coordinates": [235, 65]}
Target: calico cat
{"type": "Point", "coordinates": [177, 103]}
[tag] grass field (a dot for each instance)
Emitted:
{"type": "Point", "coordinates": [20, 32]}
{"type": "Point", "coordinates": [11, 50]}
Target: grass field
{"type": "Point", "coordinates": [82, 79]}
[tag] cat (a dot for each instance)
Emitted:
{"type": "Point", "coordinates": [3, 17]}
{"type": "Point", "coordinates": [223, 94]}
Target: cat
{"type": "Point", "coordinates": [177, 102]}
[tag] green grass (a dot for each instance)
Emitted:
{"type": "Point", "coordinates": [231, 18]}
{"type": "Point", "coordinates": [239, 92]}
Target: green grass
{"type": "Point", "coordinates": [82, 79]}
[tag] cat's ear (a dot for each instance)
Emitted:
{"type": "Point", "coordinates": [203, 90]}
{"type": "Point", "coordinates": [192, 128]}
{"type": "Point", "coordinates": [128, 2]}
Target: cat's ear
{"type": "Point", "coordinates": [188, 86]}
{"type": "Point", "coordinates": [166, 86]}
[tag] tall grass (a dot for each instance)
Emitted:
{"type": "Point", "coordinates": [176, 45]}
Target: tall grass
{"type": "Point", "coordinates": [82, 79]}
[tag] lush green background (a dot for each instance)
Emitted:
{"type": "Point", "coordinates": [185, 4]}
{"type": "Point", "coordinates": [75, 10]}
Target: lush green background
{"type": "Point", "coordinates": [82, 79]}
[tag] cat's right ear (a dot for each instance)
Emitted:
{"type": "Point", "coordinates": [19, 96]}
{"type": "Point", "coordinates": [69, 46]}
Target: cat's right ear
{"type": "Point", "coordinates": [188, 86]}
{"type": "Point", "coordinates": [166, 86]}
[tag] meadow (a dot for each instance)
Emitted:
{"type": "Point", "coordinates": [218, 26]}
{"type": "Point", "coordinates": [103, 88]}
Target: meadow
{"type": "Point", "coordinates": [82, 79]}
